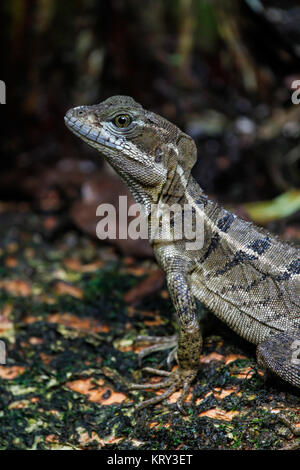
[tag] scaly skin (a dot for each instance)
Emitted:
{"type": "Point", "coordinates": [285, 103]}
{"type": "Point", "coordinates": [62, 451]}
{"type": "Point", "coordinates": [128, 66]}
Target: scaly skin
{"type": "Point", "coordinates": [247, 277]}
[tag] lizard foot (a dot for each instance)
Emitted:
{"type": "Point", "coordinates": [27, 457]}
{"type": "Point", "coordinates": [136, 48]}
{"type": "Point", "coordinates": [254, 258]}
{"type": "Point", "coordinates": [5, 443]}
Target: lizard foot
{"type": "Point", "coordinates": [158, 343]}
{"type": "Point", "coordinates": [295, 430]}
{"type": "Point", "coordinates": [174, 381]}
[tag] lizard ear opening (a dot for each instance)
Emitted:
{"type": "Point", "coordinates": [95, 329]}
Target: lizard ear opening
{"type": "Point", "coordinates": [187, 152]}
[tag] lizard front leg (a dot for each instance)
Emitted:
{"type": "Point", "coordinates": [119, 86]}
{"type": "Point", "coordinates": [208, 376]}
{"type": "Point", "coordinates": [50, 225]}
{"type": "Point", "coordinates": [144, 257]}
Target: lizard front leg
{"type": "Point", "coordinates": [189, 342]}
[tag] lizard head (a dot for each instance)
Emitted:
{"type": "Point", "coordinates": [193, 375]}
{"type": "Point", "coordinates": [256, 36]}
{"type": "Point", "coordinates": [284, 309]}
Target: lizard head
{"type": "Point", "coordinates": [144, 148]}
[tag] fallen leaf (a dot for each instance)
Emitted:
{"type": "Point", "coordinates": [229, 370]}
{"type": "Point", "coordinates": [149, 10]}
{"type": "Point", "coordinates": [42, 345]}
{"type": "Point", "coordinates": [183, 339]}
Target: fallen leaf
{"type": "Point", "coordinates": [5, 312]}
{"type": "Point", "coordinates": [78, 323]}
{"type": "Point", "coordinates": [176, 395]}
{"type": "Point", "coordinates": [245, 373]}
{"type": "Point", "coordinates": [156, 322]}
{"type": "Point", "coordinates": [31, 319]}
{"type": "Point", "coordinates": [61, 288]}
{"type": "Point", "coordinates": [157, 425]}
{"type": "Point", "coordinates": [49, 223]}
{"type": "Point", "coordinates": [46, 359]}
{"type": "Point", "coordinates": [95, 392]}
{"type": "Point", "coordinates": [11, 262]}
{"type": "Point", "coordinates": [222, 393]}
{"type": "Point", "coordinates": [16, 287]}
{"type": "Point", "coordinates": [135, 270]}
{"type": "Point", "coordinates": [76, 265]}
{"type": "Point", "coordinates": [200, 400]}
{"type": "Point", "coordinates": [113, 440]}
{"type": "Point", "coordinates": [218, 413]}
{"type": "Point", "coordinates": [132, 311]}
{"type": "Point", "coordinates": [34, 340]}
{"type": "Point", "coordinates": [52, 438]}
{"type": "Point", "coordinates": [9, 373]}
{"type": "Point", "coordinates": [86, 438]}
{"type": "Point", "coordinates": [20, 404]}
{"type": "Point", "coordinates": [211, 357]}
{"type": "Point", "coordinates": [164, 294]}
{"type": "Point", "coordinates": [29, 253]}
{"type": "Point", "coordinates": [5, 326]}
{"type": "Point", "coordinates": [233, 357]}
{"type": "Point", "coordinates": [12, 247]}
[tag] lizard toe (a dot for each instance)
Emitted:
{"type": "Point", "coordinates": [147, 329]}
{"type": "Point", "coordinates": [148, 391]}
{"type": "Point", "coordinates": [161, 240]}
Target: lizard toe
{"type": "Point", "coordinates": [157, 344]}
{"type": "Point", "coordinates": [174, 381]}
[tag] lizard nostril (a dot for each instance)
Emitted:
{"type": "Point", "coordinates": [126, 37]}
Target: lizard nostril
{"type": "Point", "coordinates": [80, 113]}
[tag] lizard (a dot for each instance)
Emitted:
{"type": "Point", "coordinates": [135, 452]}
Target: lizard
{"type": "Point", "coordinates": [249, 278]}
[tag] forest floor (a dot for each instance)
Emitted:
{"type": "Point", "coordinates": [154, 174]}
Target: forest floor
{"type": "Point", "coordinates": [70, 346]}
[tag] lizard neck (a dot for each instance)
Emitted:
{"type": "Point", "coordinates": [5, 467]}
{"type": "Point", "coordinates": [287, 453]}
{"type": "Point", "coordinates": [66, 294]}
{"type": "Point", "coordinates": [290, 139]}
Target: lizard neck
{"type": "Point", "coordinates": [204, 216]}
{"type": "Point", "coordinates": [140, 194]}
{"type": "Point", "coordinates": [181, 188]}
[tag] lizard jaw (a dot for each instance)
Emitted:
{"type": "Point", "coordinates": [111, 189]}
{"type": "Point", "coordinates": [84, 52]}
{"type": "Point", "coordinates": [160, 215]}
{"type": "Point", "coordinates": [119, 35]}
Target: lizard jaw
{"type": "Point", "coordinates": [104, 141]}
{"type": "Point", "coordinates": [90, 134]}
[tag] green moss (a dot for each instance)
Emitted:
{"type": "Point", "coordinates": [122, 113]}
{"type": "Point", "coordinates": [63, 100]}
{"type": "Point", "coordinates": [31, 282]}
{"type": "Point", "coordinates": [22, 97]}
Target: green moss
{"type": "Point", "coordinates": [39, 403]}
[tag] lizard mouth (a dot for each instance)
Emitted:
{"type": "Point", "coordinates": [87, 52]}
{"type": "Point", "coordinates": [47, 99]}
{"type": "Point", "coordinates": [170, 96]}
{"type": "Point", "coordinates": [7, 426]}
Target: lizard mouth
{"type": "Point", "coordinates": [91, 134]}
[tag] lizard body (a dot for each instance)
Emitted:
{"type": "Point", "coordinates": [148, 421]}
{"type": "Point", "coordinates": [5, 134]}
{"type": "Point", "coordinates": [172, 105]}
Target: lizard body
{"type": "Point", "coordinates": [246, 276]}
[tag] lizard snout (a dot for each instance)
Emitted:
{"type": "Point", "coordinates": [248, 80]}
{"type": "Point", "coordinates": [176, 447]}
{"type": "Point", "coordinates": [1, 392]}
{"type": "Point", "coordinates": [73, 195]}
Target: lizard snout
{"type": "Point", "coordinates": [76, 117]}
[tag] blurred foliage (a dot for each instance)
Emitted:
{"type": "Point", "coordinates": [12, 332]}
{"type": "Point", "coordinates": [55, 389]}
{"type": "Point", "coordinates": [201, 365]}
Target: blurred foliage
{"type": "Point", "coordinates": [282, 206]}
{"type": "Point", "coordinates": [186, 59]}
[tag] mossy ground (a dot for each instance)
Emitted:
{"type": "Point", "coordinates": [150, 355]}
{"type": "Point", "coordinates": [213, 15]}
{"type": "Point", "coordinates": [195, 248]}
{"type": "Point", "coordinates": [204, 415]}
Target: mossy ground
{"type": "Point", "coordinates": [70, 353]}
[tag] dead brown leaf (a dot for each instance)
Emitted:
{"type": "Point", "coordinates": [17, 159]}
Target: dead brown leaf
{"type": "Point", "coordinates": [76, 265]}
{"type": "Point", "coordinates": [233, 357]}
{"type": "Point", "coordinates": [61, 288]}
{"type": "Point", "coordinates": [11, 262]}
{"type": "Point", "coordinates": [222, 393]}
{"type": "Point", "coordinates": [218, 413]}
{"type": "Point", "coordinates": [245, 373]}
{"type": "Point", "coordinates": [176, 395]}
{"type": "Point", "coordinates": [16, 287]}
{"type": "Point", "coordinates": [95, 392]}
{"type": "Point", "coordinates": [83, 324]}
{"type": "Point", "coordinates": [9, 373]}
{"type": "Point", "coordinates": [211, 357]}
{"type": "Point", "coordinates": [34, 340]}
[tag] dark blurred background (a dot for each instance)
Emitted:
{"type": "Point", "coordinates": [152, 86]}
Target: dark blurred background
{"type": "Point", "coordinates": [72, 306]}
{"type": "Point", "coordinates": [221, 70]}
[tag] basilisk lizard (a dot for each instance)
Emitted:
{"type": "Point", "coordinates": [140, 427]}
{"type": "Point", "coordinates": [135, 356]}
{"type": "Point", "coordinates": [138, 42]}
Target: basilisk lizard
{"type": "Point", "coordinates": [247, 277]}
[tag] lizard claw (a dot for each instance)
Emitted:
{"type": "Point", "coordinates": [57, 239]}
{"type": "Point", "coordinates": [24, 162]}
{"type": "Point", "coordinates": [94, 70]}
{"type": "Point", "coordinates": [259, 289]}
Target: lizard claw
{"type": "Point", "coordinates": [157, 344]}
{"type": "Point", "coordinates": [174, 381]}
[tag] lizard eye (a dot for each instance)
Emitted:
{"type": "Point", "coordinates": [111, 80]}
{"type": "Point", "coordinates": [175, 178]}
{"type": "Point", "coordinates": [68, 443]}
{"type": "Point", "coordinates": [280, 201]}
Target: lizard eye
{"type": "Point", "coordinates": [122, 120]}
